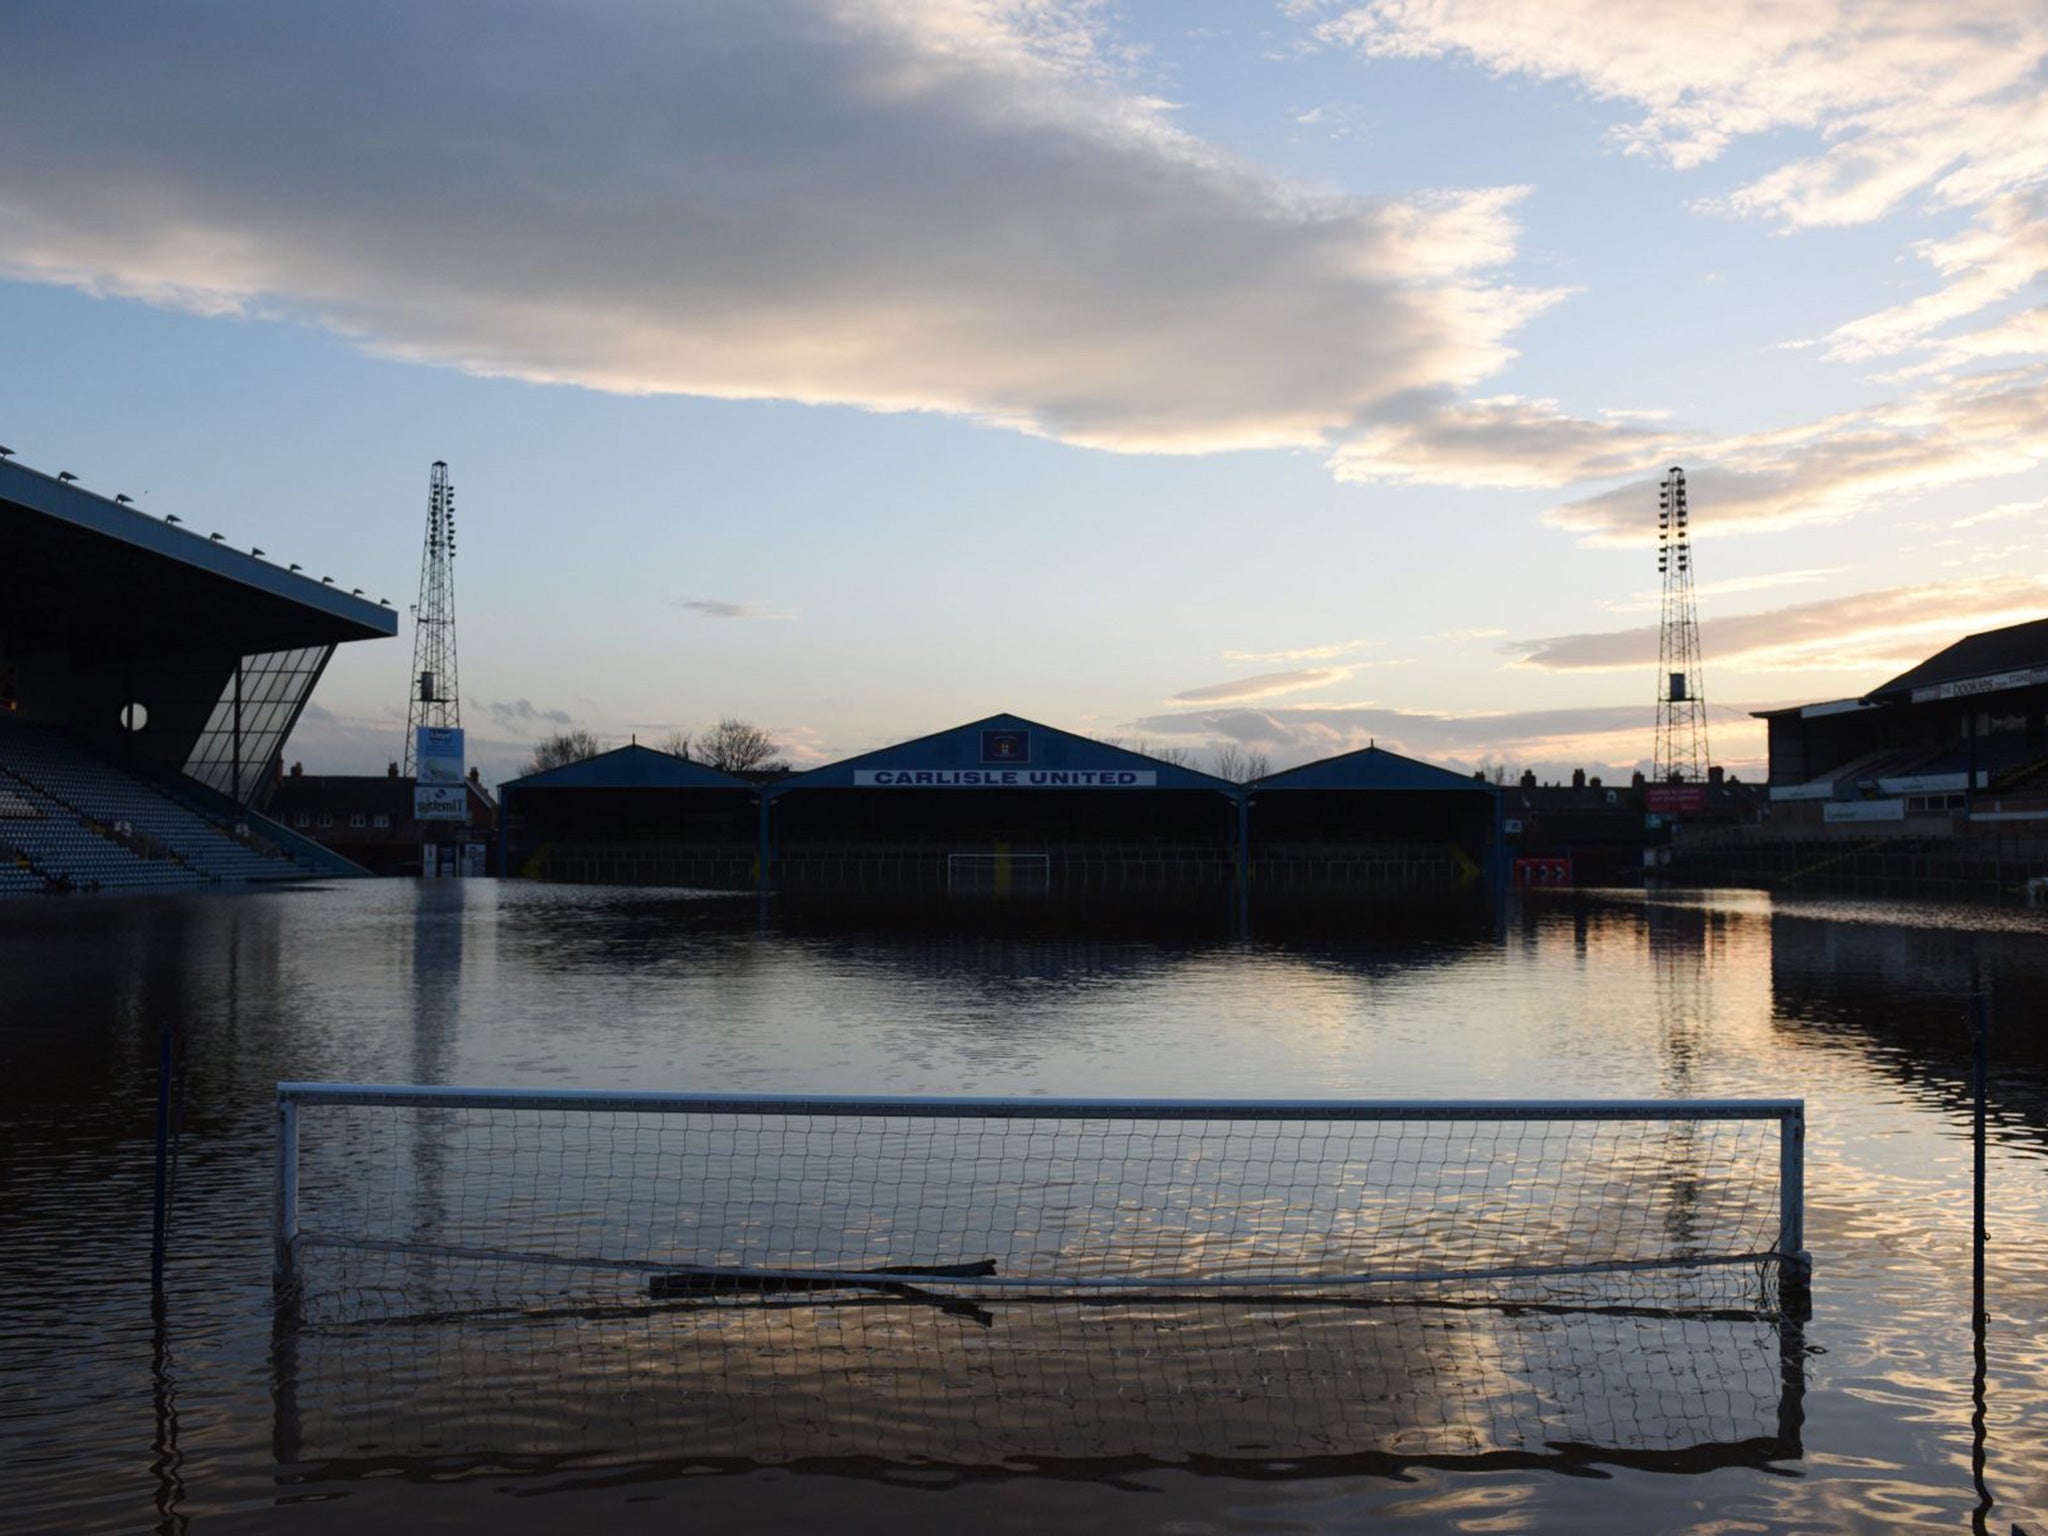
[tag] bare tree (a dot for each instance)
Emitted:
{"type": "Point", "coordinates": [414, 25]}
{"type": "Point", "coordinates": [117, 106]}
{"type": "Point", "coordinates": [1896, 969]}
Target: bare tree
{"type": "Point", "coordinates": [1144, 746]}
{"type": "Point", "coordinates": [1239, 764]}
{"type": "Point", "coordinates": [738, 746]}
{"type": "Point", "coordinates": [677, 745]}
{"type": "Point", "coordinates": [560, 749]}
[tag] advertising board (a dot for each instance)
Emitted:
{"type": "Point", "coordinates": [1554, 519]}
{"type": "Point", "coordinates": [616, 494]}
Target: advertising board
{"type": "Point", "coordinates": [437, 750]}
{"type": "Point", "coordinates": [440, 802]}
{"type": "Point", "coordinates": [1675, 799]}
{"type": "Point", "coordinates": [1864, 810]}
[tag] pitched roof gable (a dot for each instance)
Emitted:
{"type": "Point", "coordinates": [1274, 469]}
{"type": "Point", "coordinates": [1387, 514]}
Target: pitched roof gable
{"type": "Point", "coordinates": [1372, 768]}
{"type": "Point", "coordinates": [629, 767]}
{"type": "Point", "coordinates": [998, 742]}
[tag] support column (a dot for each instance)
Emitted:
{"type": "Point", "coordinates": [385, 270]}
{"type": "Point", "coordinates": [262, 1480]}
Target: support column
{"type": "Point", "coordinates": [1244, 863]}
{"type": "Point", "coordinates": [236, 792]}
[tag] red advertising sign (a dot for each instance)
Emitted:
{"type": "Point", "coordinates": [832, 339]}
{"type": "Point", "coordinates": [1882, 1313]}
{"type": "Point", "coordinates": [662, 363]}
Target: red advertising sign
{"type": "Point", "coordinates": [1674, 799]}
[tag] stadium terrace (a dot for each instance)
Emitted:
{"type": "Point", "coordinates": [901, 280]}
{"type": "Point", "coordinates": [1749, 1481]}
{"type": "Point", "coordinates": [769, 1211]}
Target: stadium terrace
{"type": "Point", "coordinates": [149, 676]}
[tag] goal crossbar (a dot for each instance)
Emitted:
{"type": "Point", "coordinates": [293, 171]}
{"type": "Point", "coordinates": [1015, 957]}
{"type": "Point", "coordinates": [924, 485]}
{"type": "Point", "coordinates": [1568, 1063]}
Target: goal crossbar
{"type": "Point", "coordinates": [1153, 1134]}
{"type": "Point", "coordinates": [885, 1106]}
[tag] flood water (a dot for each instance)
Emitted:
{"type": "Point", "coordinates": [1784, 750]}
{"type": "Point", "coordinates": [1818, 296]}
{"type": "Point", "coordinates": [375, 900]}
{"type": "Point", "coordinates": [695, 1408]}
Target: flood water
{"type": "Point", "coordinates": [211, 1411]}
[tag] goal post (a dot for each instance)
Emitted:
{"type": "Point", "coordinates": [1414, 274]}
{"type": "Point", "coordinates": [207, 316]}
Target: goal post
{"type": "Point", "coordinates": [465, 1197]}
{"type": "Point", "coordinates": [998, 874]}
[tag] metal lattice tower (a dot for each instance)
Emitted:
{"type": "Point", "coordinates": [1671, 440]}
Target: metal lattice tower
{"type": "Point", "coordinates": [436, 695]}
{"type": "Point", "coordinates": [1681, 752]}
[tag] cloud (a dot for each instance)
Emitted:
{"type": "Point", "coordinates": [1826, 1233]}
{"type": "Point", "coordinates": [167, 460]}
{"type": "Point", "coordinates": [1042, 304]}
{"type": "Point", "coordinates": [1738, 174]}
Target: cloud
{"type": "Point", "coordinates": [328, 741]}
{"type": "Point", "coordinates": [2003, 512]}
{"type": "Point", "coordinates": [1502, 441]}
{"type": "Point", "coordinates": [1901, 89]}
{"type": "Point", "coordinates": [1937, 99]}
{"type": "Point", "coordinates": [521, 715]}
{"type": "Point", "coordinates": [1762, 582]}
{"type": "Point", "coordinates": [1596, 735]}
{"type": "Point", "coordinates": [1305, 653]}
{"type": "Point", "coordinates": [1266, 685]}
{"type": "Point", "coordinates": [716, 608]}
{"type": "Point", "coordinates": [1893, 627]}
{"type": "Point", "coordinates": [2000, 254]}
{"type": "Point", "coordinates": [804, 745]}
{"type": "Point", "coordinates": [2015, 336]}
{"type": "Point", "coordinates": [1825, 471]}
{"type": "Point", "coordinates": [932, 205]}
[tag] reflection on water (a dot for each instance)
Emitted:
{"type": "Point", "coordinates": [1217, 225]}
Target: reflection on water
{"type": "Point", "coordinates": [1900, 998]}
{"type": "Point", "coordinates": [218, 1412]}
{"type": "Point", "coordinates": [1265, 1390]}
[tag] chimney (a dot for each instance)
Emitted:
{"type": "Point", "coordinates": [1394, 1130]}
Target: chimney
{"type": "Point", "coordinates": [391, 771]}
{"type": "Point", "coordinates": [1715, 775]}
{"type": "Point", "coordinates": [1578, 778]}
{"type": "Point", "coordinates": [298, 770]}
{"type": "Point", "coordinates": [1594, 781]}
{"type": "Point", "coordinates": [1636, 780]}
{"type": "Point", "coordinates": [1528, 778]}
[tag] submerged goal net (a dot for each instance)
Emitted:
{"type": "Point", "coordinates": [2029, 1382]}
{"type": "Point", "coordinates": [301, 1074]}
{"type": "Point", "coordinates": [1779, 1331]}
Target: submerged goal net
{"type": "Point", "coordinates": [415, 1202]}
{"type": "Point", "coordinates": [998, 874]}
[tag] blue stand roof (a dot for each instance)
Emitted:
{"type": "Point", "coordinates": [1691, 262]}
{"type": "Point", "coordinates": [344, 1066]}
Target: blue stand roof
{"type": "Point", "coordinates": [1373, 768]}
{"type": "Point", "coordinates": [1003, 751]}
{"type": "Point", "coordinates": [633, 767]}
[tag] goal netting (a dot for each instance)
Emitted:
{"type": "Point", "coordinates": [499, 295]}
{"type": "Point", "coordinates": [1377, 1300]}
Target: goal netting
{"type": "Point", "coordinates": [403, 1201]}
{"type": "Point", "coordinates": [998, 874]}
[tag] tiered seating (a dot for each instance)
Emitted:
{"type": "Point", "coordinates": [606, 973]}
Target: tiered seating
{"type": "Point", "coordinates": [2029, 778]}
{"type": "Point", "coordinates": [17, 873]}
{"type": "Point", "coordinates": [62, 846]}
{"type": "Point", "coordinates": [1992, 755]}
{"type": "Point", "coordinates": [98, 826]}
{"type": "Point", "coordinates": [1893, 763]}
{"type": "Point", "coordinates": [1885, 763]}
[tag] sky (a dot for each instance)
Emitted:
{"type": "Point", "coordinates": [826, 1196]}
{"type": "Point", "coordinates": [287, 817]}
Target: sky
{"type": "Point", "coordinates": [1294, 374]}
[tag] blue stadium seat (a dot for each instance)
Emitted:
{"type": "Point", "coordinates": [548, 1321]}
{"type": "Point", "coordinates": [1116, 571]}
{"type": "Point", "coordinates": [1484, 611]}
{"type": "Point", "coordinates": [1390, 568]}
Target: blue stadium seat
{"type": "Point", "coordinates": [68, 815]}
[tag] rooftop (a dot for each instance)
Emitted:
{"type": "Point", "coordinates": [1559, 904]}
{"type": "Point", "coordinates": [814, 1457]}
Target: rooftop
{"type": "Point", "coordinates": [142, 581]}
{"type": "Point", "coordinates": [1989, 659]}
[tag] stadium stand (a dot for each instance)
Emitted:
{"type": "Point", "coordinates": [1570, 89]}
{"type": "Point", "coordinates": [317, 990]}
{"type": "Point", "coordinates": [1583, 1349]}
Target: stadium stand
{"type": "Point", "coordinates": [149, 678]}
{"type": "Point", "coordinates": [1962, 733]}
{"type": "Point", "coordinates": [81, 821]}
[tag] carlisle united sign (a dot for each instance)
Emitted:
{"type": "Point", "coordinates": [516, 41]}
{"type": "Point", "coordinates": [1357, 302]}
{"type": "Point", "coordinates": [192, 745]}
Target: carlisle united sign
{"type": "Point", "coordinates": [1005, 778]}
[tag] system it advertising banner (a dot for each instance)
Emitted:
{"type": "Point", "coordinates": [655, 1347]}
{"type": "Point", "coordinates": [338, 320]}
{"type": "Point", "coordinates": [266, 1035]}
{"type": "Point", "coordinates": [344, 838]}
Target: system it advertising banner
{"type": "Point", "coordinates": [438, 751]}
{"type": "Point", "coordinates": [440, 802]}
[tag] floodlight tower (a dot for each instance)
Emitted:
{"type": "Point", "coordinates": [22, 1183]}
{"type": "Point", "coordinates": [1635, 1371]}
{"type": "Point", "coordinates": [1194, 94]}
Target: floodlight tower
{"type": "Point", "coordinates": [1681, 753]}
{"type": "Point", "coordinates": [436, 697]}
